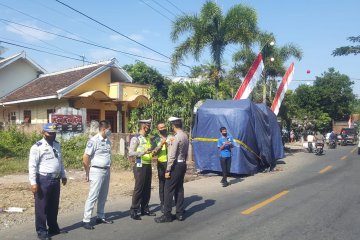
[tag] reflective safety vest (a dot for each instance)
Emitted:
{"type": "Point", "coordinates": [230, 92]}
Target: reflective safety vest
{"type": "Point", "coordinates": [162, 156]}
{"type": "Point", "coordinates": [143, 145]}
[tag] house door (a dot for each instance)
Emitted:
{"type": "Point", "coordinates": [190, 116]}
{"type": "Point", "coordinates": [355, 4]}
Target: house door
{"type": "Point", "coordinates": [111, 117]}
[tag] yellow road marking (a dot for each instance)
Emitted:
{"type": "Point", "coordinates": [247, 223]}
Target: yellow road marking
{"type": "Point", "coordinates": [264, 203]}
{"type": "Point", "coordinates": [325, 169]}
{"type": "Point", "coordinates": [354, 149]}
{"type": "Point", "coordinates": [344, 158]}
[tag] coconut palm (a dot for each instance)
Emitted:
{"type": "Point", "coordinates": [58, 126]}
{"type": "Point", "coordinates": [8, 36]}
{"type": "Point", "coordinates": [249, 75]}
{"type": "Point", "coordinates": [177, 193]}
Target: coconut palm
{"type": "Point", "coordinates": [213, 30]}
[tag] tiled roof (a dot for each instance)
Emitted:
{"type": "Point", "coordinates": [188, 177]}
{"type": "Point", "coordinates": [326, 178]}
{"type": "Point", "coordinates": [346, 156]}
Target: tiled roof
{"type": "Point", "coordinates": [49, 84]}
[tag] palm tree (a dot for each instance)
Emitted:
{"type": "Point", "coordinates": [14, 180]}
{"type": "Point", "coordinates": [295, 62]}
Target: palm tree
{"type": "Point", "coordinates": [211, 29]}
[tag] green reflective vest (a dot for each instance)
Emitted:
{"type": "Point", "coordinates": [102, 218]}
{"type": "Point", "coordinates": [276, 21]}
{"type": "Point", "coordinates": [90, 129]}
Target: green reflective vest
{"type": "Point", "coordinates": [162, 156]}
{"type": "Point", "coordinates": [143, 145]}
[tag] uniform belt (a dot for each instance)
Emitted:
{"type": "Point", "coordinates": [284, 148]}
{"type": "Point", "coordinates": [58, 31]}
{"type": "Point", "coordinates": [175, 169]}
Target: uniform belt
{"type": "Point", "coordinates": [52, 175]}
{"type": "Point", "coordinates": [106, 167]}
{"type": "Point", "coordinates": [180, 160]}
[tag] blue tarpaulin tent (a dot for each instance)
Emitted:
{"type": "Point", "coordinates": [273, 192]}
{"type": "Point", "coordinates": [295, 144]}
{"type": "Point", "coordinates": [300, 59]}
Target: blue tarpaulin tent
{"type": "Point", "coordinates": [256, 144]}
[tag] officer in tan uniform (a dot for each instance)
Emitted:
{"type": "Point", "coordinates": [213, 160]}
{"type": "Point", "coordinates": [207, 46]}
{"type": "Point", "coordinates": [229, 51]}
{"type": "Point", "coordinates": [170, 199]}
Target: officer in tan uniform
{"type": "Point", "coordinates": [175, 173]}
{"type": "Point", "coordinates": [140, 150]}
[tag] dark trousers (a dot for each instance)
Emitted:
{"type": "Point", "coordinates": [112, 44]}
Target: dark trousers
{"type": "Point", "coordinates": [161, 167]}
{"type": "Point", "coordinates": [47, 204]}
{"type": "Point", "coordinates": [142, 189]}
{"type": "Point", "coordinates": [225, 163]}
{"type": "Point", "coordinates": [174, 188]}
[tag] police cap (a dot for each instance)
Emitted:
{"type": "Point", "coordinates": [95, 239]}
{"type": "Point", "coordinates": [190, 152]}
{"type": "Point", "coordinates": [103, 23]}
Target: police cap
{"type": "Point", "coordinates": [174, 119]}
{"type": "Point", "coordinates": [49, 127]}
{"type": "Point", "coordinates": [146, 121]}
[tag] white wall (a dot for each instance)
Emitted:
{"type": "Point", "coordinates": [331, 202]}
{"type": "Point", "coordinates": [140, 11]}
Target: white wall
{"type": "Point", "coordinates": [16, 75]}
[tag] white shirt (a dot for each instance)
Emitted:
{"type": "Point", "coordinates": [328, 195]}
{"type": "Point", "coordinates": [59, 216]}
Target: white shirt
{"type": "Point", "coordinates": [310, 138]}
{"type": "Point", "coordinates": [99, 150]}
{"type": "Point", "coordinates": [44, 159]}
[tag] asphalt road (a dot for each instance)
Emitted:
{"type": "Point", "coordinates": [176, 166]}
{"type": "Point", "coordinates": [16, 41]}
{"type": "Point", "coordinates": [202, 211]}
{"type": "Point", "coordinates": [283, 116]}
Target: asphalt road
{"type": "Point", "coordinates": [316, 198]}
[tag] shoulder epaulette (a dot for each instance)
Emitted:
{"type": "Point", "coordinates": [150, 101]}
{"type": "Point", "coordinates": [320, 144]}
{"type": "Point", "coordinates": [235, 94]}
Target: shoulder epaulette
{"type": "Point", "coordinates": [38, 143]}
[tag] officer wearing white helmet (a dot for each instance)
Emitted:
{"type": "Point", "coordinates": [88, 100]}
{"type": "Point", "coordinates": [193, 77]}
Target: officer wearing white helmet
{"type": "Point", "coordinates": [46, 168]}
{"type": "Point", "coordinates": [140, 150]}
{"type": "Point", "coordinates": [175, 172]}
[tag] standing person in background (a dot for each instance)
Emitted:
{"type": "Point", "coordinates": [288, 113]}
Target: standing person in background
{"type": "Point", "coordinates": [225, 143]}
{"type": "Point", "coordinates": [97, 162]}
{"type": "Point", "coordinates": [161, 151]}
{"type": "Point", "coordinates": [46, 168]}
{"type": "Point", "coordinates": [175, 173]}
{"type": "Point", "coordinates": [140, 149]}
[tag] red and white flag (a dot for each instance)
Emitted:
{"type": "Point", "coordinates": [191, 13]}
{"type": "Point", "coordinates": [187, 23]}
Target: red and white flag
{"type": "Point", "coordinates": [350, 122]}
{"type": "Point", "coordinates": [251, 78]}
{"type": "Point", "coordinates": [282, 89]}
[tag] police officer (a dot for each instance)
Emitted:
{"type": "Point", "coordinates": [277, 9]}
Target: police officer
{"type": "Point", "coordinates": [46, 168]}
{"type": "Point", "coordinates": [140, 150]}
{"type": "Point", "coordinates": [97, 162]}
{"type": "Point", "coordinates": [175, 173]}
{"type": "Point", "coordinates": [161, 150]}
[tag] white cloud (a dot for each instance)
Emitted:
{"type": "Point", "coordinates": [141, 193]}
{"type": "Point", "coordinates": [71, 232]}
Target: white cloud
{"type": "Point", "coordinates": [29, 34]}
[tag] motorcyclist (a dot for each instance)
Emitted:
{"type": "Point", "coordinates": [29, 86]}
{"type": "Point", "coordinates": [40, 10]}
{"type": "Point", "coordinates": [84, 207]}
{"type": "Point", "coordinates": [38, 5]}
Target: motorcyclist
{"type": "Point", "coordinates": [310, 139]}
{"type": "Point", "coordinates": [332, 136]}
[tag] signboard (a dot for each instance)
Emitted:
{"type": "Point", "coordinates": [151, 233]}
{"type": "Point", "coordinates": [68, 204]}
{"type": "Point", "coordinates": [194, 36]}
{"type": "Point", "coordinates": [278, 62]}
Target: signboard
{"type": "Point", "coordinates": [67, 123]}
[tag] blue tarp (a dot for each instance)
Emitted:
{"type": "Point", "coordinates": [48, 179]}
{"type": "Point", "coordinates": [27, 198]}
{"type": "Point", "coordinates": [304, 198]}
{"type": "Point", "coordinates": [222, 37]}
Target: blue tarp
{"type": "Point", "coordinates": [254, 128]}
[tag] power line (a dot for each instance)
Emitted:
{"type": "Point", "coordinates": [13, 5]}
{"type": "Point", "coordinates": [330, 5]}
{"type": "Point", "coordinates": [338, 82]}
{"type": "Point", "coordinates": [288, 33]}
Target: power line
{"type": "Point", "coordinates": [176, 7]}
{"type": "Point", "coordinates": [17, 29]}
{"type": "Point", "coordinates": [156, 2]}
{"type": "Point", "coordinates": [158, 11]}
{"type": "Point", "coordinates": [28, 15]}
{"type": "Point", "coordinates": [38, 50]}
{"type": "Point", "coordinates": [81, 41]}
{"type": "Point", "coordinates": [121, 34]}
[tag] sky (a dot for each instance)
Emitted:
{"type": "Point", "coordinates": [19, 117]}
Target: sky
{"type": "Point", "coordinates": [317, 27]}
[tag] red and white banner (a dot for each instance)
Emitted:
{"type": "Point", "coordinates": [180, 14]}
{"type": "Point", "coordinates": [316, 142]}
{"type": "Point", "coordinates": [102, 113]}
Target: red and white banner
{"type": "Point", "coordinates": [282, 89]}
{"type": "Point", "coordinates": [251, 78]}
{"type": "Point", "coordinates": [350, 123]}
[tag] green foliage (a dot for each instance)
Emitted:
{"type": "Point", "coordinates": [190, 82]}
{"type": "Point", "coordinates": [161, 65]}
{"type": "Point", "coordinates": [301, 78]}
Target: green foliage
{"type": "Point", "coordinates": [347, 50]}
{"type": "Point", "coordinates": [73, 150]}
{"type": "Point", "coordinates": [121, 162]}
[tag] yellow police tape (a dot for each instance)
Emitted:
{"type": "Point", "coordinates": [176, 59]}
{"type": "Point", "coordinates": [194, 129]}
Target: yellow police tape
{"type": "Point", "coordinates": [236, 140]}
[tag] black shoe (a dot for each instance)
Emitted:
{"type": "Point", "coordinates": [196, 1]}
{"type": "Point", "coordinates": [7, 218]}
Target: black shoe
{"type": "Point", "coordinates": [163, 219]}
{"type": "Point", "coordinates": [60, 231]}
{"type": "Point", "coordinates": [88, 226]}
{"type": "Point", "coordinates": [148, 213]}
{"type": "Point", "coordinates": [104, 221]}
{"type": "Point", "coordinates": [135, 216]}
{"type": "Point", "coordinates": [44, 236]}
{"type": "Point", "coordinates": [225, 184]}
{"type": "Point", "coordinates": [180, 217]}
{"type": "Point", "coordinates": [222, 180]}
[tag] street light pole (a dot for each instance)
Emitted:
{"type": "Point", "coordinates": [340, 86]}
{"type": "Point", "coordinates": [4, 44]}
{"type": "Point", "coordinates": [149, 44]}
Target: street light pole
{"type": "Point", "coordinates": [272, 43]}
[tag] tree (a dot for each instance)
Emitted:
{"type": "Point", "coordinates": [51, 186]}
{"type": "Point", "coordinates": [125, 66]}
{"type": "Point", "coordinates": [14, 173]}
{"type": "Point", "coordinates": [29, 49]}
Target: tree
{"type": "Point", "coordinates": [334, 93]}
{"type": "Point", "coordinates": [346, 50]}
{"type": "Point", "coordinates": [211, 29]}
{"type": "Point", "coordinates": [143, 74]}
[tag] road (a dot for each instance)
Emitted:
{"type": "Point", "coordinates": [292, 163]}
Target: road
{"type": "Point", "coordinates": [315, 197]}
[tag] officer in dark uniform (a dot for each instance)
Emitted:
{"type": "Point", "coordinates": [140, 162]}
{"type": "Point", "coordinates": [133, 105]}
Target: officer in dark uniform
{"type": "Point", "coordinates": [175, 173]}
{"type": "Point", "coordinates": [46, 168]}
{"type": "Point", "coordinates": [140, 150]}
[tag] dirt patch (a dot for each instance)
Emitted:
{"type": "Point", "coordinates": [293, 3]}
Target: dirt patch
{"type": "Point", "coordinates": [15, 192]}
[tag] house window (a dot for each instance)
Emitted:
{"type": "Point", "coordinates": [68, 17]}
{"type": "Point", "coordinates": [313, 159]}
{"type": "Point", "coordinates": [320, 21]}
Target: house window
{"type": "Point", "coordinates": [27, 116]}
{"type": "Point", "coordinates": [12, 117]}
{"type": "Point", "coordinates": [48, 112]}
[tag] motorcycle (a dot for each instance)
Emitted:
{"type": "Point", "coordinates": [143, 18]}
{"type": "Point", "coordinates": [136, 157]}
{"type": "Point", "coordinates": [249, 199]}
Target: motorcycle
{"type": "Point", "coordinates": [332, 144]}
{"type": "Point", "coordinates": [319, 147]}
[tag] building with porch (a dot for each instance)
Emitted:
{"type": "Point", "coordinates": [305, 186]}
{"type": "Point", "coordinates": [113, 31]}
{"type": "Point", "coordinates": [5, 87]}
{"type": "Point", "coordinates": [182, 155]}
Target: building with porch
{"type": "Point", "coordinates": [102, 91]}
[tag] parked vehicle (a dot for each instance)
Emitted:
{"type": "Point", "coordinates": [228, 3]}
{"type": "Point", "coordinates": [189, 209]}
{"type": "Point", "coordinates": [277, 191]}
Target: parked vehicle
{"type": "Point", "coordinates": [349, 135]}
{"type": "Point", "coordinates": [359, 145]}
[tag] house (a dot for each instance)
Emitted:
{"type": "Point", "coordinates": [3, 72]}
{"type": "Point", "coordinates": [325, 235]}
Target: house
{"type": "Point", "coordinates": [102, 91]}
{"type": "Point", "coordinates": [17, 70]}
